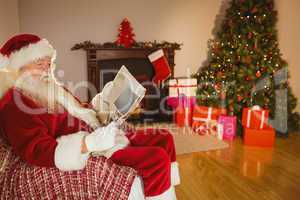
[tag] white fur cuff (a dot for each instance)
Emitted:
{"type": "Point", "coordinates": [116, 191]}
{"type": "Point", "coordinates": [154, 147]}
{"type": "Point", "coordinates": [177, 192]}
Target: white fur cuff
{"type": "Point", "coordinates": [167, 195]}
{"type": "Point", "coordinates": [175, 177]}
{"type": "Point", "coordinates": [68, 154]}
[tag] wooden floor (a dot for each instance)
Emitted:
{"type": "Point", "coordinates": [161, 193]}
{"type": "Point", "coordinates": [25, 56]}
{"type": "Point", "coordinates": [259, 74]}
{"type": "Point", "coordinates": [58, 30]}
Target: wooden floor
{"type": "Point", "coordinates": [240, 172]}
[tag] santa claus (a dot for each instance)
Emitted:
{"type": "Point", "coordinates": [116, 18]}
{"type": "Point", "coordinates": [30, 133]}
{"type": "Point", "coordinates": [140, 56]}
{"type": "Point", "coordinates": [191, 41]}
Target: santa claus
{"type": "Point", "coordinates": [47, 126]}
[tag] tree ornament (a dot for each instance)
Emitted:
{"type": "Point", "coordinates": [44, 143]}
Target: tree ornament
{"type": "Point", "coordinates": [220, 74]}
{"type": "Point", "coordinates": [258, 74]}
{"type": "Point", "coordinates": [271, 6]}
{"type": "Point", "coordinates": [250, 35]}
{"type": "Point", "coordinates": [217, 86]}
{"type": "Point", "coordinates": [247, 59]}
{"type": "Point", "coordinates": [125, 37]}
{"type": "Point", "coordinates": [223, 95]}
{"type": "Point", "coordinates": [239, 98]}
{"type": "Point", "coordinates": [255, 44]}
{"type": "Point", "coordinates": [254, 10]}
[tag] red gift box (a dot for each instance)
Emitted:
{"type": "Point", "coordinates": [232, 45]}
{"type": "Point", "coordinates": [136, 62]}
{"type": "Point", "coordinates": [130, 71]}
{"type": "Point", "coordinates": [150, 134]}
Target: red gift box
{"type": "Point", "coordinates": [255, 118]}
{"type": "Point", "coordinates": [183, 116]}
{"type": "Point", "coordinates": [203, 113]}
{"type": "Point", "coordinates": [259, 137]}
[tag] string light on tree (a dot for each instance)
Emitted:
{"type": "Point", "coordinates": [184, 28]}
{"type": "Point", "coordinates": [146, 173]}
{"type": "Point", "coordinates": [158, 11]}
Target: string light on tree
{"type": "Point", "coordinates": [246, 49]}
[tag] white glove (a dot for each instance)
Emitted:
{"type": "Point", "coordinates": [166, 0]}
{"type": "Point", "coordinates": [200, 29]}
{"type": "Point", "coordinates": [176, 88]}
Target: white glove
{"type": "Point", "coordinates": [102, 138]}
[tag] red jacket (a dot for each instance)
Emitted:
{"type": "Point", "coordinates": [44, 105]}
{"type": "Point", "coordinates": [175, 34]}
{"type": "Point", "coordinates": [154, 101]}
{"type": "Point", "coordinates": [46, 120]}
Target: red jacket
{"type": "Point", "coordinates": [34, 137]}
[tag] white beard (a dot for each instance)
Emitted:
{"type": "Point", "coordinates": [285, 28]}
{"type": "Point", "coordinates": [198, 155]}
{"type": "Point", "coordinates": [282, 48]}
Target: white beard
{"type": "Point", "coordinates": [42, 92]}
{"type": "Point", "coordinates": [46, 92]}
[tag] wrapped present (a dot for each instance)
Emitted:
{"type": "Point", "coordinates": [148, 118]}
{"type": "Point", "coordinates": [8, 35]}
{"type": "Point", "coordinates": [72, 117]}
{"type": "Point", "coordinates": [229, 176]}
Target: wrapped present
{"type": "Point", "coordinates": [203, 113]}
{"type": "Point", "coordinates": [259, 137]}
{"type": "Point", "coordinates": [182, 100]}
{"type": "Point", "coordinates": [183, 87]}
{"type": "Point", "coordinates": [255, 118]}
{"type": "Point", "coordinates": [206, 127]}
{"type": "Point", "coordinates": [228, 126]}
{"type": "Point", "coordinates": [200, 127]}
{"type": "Point", "coordinates": [183, 115]}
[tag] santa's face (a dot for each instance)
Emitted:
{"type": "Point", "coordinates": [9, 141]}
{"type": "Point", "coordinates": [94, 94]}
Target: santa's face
{"type": "Point", "coordinates": [37, 68]}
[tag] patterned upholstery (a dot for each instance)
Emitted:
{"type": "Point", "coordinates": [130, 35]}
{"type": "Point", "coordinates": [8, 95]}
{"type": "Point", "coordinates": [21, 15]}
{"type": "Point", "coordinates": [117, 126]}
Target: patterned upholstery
{"type": "Point", "coordinates": [101, 179]}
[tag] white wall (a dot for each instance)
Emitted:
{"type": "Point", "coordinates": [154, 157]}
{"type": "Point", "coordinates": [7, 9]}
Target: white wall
{"type": "Point", "coordinates": [9, 19]}
{"type": "Point", "coordinates": [66, 22]}
{"type": "Point", "coordinates": [289, 42]}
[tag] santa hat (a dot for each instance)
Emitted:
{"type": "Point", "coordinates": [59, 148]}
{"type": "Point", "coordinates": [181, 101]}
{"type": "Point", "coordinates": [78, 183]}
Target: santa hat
{"type": "Point", "coordinates": [23, 49]}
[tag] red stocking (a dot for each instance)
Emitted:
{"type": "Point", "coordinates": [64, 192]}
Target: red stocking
{"type": "Point", "coordinates": [161, 66]}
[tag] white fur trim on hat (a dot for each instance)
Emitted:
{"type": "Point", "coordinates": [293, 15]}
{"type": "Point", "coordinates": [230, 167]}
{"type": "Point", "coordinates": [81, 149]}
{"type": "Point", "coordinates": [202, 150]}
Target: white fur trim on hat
{"type": "Point", "coordinates": [4, 61]}
{"type": "Point", "coordinates": [68, 154]}
{"type": "Point", "coordinates": [30, 53]}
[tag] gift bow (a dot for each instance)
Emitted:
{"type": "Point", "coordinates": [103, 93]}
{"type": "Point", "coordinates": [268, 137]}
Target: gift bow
{"type": "Point", "coordinates": [207, 128]}
{"type": "Point", "coordinates": [256, 107]}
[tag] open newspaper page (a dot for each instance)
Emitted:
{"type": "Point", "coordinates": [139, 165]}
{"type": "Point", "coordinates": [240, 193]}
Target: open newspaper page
{"type": "Point", "coordinates": [124, 97]}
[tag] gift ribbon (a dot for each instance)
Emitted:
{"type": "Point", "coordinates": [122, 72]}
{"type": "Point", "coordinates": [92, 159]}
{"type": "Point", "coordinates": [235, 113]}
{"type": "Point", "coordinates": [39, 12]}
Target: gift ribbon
{"type": "Point", "coordinates": [186, 115]}
{"type": "Point", "coordinates": [180, 86]}
{"type": "Point", "coordinates": [203, 129]}
{"type": "Point", "coordinates": [262, 117]}
{"type": "Point", "coordinates": [209, 113]}
{"type": "Point", "coordinates": [208, 128]}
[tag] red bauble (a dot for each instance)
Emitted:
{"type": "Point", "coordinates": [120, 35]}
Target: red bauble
{"type": "Point", "coordinates": [239, 98]}
{"type": "Point", "coordinates": [220, 74]}
{"type": "Point", "coordinates": [254, 10]}
{"type": "Point", "coordinates": [250, 35]}
{"type": "Point", "coordinates": [223, 95]}
{"type": "Point", "coordinates": [262, 69]}
{"type": "Point", "coordinates": [247, 78]}
{"type": "Point", "coordinates": [258, 74]}
{"type": "Point", "coordinates": [217, 86]}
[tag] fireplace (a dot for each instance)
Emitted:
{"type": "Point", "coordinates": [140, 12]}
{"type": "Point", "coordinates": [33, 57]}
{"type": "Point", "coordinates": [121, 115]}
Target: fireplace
{"type": "Point", "coordinates": [104, 63]}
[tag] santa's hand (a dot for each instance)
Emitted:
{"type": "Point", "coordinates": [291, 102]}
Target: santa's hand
{"type": "Point", "coordinates": [102, 138]}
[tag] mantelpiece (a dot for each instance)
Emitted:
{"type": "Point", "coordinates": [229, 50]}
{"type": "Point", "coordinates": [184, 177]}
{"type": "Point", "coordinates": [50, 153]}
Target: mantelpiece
{"type": "Point", "coordinates": [101, 58]}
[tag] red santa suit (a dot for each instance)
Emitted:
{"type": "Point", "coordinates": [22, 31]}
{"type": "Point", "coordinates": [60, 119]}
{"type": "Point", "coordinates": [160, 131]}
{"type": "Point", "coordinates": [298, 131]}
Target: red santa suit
{"type": "Point", "coordinates": [47, 138]}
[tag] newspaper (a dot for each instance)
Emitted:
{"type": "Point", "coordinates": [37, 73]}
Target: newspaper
{"type": "Point", "coordinates": [124, 95]}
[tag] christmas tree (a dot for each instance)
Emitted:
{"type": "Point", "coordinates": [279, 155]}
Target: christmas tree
{"type": "Point", "coordinates": [125, 37]}
{"type": "Point", "coordinates": [245, 67]}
